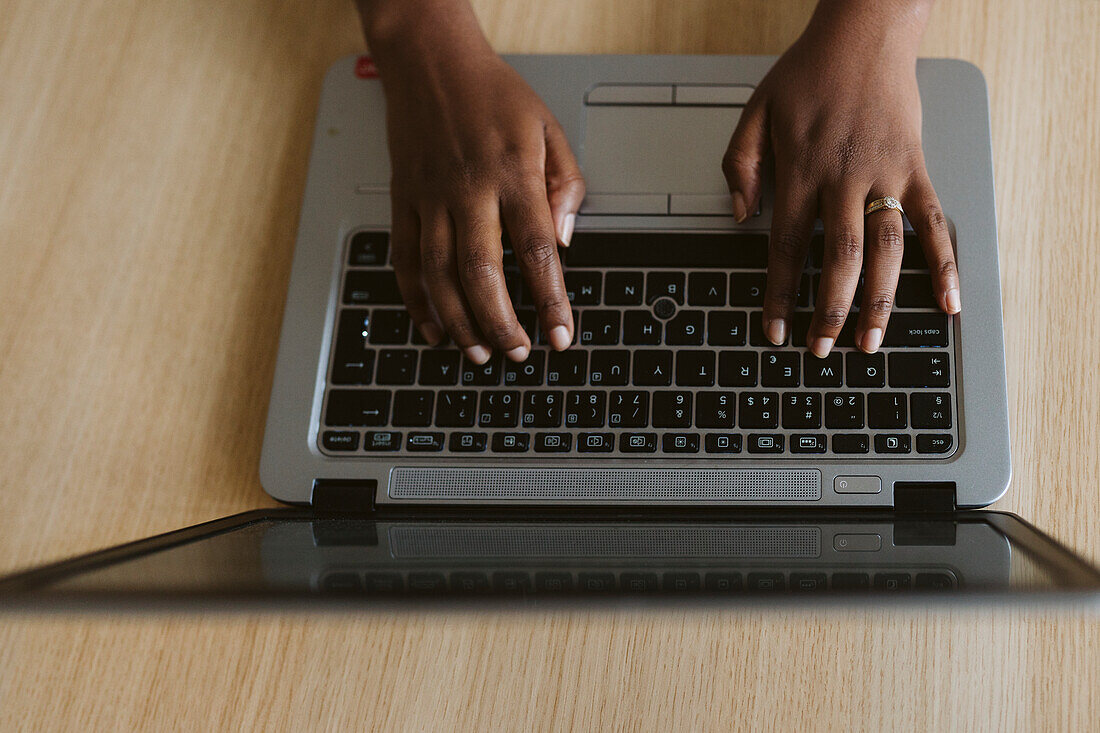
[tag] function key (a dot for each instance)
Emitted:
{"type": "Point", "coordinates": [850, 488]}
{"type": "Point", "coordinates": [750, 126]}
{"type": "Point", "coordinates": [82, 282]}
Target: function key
{"type": "Point", "coordinates": [680, 443]}
{"type": "Point", "coordinates": [765, 443]}
{"type": "Point", "coordinates": [424, 442]}
{"type": "Point", "coordinates": [866, 370]}
{"type": "Point", "coordinates": [340, 440]}
{"type": "Point", "coordinates": [933, 443]}
{"type": "Point", "coordinates": [371, 287]}
{"type": "Point", "coordinates": [916, 329]}
{"type": "Point", "coordinates": [553, 442]}
{"type": "Point", "coordinates": [808, 443]}
{"type": "Point", "coordinates": [368, 249]}
{"type": "Point", "coordinates": [919, 370]}
{"type": "Point", "coordinates": [707, 288]}
{"type": "Point", "coordinates": [595, 442]}
{"type": "Point", "coordinates": [722, 582]}
{"type": "Point", "coordinates": [723, 443]}
{"type": "Point", "coordinates": [354, 407]}
{"type": "Point", "coordinates": [637, 443]}
{"type": "Point", "coordinates": [511, 442]}
{"type": "Point", "coordinates": [382, 440]}
{"type": "Point", "coordinates": [467, 442]}
{"type": "Point", "coordinates": [892, 443]}
{"type": "Point", "coordinates": [851, 443]}
{"type": "Point", "coordinates": [623, 288]}
{"type": "Point", "coordinates": [664, 285]}
{"type": "Point", "coordinates": [583, 287]}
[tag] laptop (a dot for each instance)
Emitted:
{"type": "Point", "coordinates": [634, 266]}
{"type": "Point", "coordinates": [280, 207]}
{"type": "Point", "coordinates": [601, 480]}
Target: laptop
{"type": "Point", "coordinates": [671, 452]}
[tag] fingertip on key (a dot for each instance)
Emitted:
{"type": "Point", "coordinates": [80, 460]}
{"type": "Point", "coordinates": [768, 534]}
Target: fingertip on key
{"type": "Point", "coordinates": [478, 354]}
{"type": "Point", "coordinates": [952, 299]}
{"type": "Point", "coordinates": [518, 354]}
{"type": "Point", "coordinates": [560, 338]}
{"type": "Point", "coordinates": [431, 333]}
{"type": "Point", "coordinates": [820, 347]}
{"type": "Point", "coordinates": [776, 331]}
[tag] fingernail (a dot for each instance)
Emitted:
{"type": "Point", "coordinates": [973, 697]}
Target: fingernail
{"type": "Point", "coordinates": [567, 223]}
{"type": "Point", "coordinates": [431, 333]}
{"type": "Point", "coordinates": [740, 212]}
{"type": "Point", "coordinates": [560, 338]}
{"type": "Point", "coordinates": [478, 354]}
{"type": "Point", "coordinates": [872, 340]}
{"type": "Point", "coordinates": [953, 304]}
{"type": "Point", "coordinates": [821, 347]}
{"type": "Point", "coordinates": [519, 353]}
{"type": "Point", "coordinates": [776, 331]}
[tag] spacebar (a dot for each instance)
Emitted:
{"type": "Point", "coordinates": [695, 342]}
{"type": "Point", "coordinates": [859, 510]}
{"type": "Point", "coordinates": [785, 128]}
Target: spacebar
{"type": "Point", "coordinates": [672, 249]}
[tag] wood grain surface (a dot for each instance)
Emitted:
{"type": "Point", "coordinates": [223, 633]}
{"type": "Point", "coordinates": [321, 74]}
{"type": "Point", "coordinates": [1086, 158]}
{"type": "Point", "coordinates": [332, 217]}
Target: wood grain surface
{"type": "Point", "coordinates": [152, 162]}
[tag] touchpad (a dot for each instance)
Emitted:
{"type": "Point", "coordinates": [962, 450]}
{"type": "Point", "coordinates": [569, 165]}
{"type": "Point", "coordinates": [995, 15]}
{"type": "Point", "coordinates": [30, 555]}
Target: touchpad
{"type": "Point", "coordinates": [657, 149]}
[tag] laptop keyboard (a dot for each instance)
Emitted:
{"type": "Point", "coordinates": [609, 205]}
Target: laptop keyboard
{"type": "Point", "coordinates": [669, 358]}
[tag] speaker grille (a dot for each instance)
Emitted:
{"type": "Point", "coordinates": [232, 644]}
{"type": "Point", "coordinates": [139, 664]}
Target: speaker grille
{"type": "Point", "coordinates": [605, 484]}
{"type": "Point", "coordinates": [520, 541]}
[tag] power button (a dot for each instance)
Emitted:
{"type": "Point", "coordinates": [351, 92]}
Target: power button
{"type": "Point", "coordinates": [857, 484]}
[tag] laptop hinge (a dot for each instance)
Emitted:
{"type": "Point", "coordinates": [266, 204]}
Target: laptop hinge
{"type": "Point", "coordinates": [925, 497]}
{"type": "Point", "coordinates": [343, 496]}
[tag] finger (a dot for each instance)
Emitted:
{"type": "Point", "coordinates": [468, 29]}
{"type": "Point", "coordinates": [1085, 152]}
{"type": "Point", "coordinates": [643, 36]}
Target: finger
{"type": "Point", "coordinates": [564, 182]}
{"type": "Point", "coordinates": [438, 264]}
{"type": "Point", "coordinates": [527, 217]}
{"type": "Point", "coordinates": [744, 159]}
{"type": "Point", "coordinates": [842, 214]}
{"type": "Point", "coordinates": [481, 271]}
{"type": "Point", "coordinates": [922, 206]}
{"type": "Point", "coordinates": [883, 249]}
{"type": "Point", "coordinates": [405, 258]}
{"type": "Point", "coordinates": [792, 223]}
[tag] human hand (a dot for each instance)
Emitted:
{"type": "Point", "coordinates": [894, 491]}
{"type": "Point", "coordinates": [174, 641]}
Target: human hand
{"type": "Point", "coordinates": [473, 149]}
{"type": "Point", "coordinates": [840, 113]}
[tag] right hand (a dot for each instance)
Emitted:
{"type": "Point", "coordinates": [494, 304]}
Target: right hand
{"type": "Point", "coordinates": [473, 150]}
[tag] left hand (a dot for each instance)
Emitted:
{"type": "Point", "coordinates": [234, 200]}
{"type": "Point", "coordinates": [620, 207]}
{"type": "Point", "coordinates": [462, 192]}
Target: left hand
{"type": "Point", "coordinates": [840, 112]}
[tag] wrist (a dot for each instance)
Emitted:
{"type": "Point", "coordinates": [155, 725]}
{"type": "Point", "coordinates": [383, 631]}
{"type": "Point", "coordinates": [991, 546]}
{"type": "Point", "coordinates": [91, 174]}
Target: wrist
{"type": "Point", "coordinates": [412, 33]}
{"type": "Point", "coordinates": [891, 28]}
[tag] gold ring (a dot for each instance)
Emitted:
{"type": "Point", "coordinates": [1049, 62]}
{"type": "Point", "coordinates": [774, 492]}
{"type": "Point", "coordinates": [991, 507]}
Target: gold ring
{"type": "Point", "coordinates": [886, 202]}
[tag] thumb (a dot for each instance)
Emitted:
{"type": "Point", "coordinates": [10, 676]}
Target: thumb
{"type": "Point", "coordinates": [564, 183]}
{"type": "Point", "coordinates": [744, 159]}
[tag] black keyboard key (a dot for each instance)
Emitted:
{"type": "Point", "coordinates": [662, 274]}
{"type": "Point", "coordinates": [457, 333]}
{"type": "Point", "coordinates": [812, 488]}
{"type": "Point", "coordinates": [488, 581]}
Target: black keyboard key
{"type": "Point", "coordinates": [396, 366]}
{"type": "Point", "coordinates": [804, 300]}
{"type": "Point", "coordinates": [499, 409]}
{"type": "Point", "coordinates": [726, 328]}
{"type": "Point", "coordinates": [609, 368]}
{"type": "Point", "coordinates": [930, 410]}
{"type": "Point", "coordinates": [756, 331]}
{"type": "Point", "coordinates": [844, 410]}
{"type": "Point", "coordinates": [915, 291]}
{"type": "Point", "coordinates": [424, 442]}
{"type": "Point", "coordinates": [482, 375]}
{"type": "Point", "coordinates": [456, 409]}
{"type": "Point", "coordinates": [595, 442]}
{"type": "Point", "coordinates": [934, 443]}
{"type": "Point", "coordinates": [542, 409]}
{"type": "Point", "coordinates": [707, 288]}
{"type": "Point", "coordinates": [585, 409]}
{"type": "Point", "coordinates": [827, 372]}
{"type": "Point", "coordinates": [686, 329]}
{"type": "Point", "coordinates": [368, 249]}
{"type": "Point", "coordinates": [695, 368]}
{"type": "Point", "coordinates": [526, 373]}
{"type": "Point", "coordinates": [355, 407]}
{"type": "Point", "coordinates": [680, 443]}
{"type": "Point", "coordinates": [765, 443]}
{"type": "Point", "coordinates": [371, 287]}
{"type": "Point", "coordinates": [866, 370]}
{"type": "Point", "coordinates": [723, 582]}
{"type": "Point", "coordinates": [599, 327]}
{"type": "Point", "coordinates": [553, 442]}
{"type": "Point", "coordinates": [389, 327]}
{"type": "Point", "coordinates": [886, 410]}
{"type": "Point", "coordinates": [640, 328]}
{"type": "Point", "coordinates": [382, 441]}
{"type": "Point", "coordinates": [851, 581]}
{"type": "Point", "coordinates": [919, 370]}
{"type": "Point", "coordinates": [892, 443]}
{"type": "Point", "coordinates": [352, 361]}
{"type": "Point", "coordinates": [439, 367]}
{"type": "Point", "coordinates": [340, 440]}
{"type": "Point", "coordinates": [566, 368]}
{"type": "Point", "coordinates": [638, 443]}
{"type": "Point", "coordinates": [511, 442]}
{"type": "Point", "coordinates": [801, 411]}
{"type": "Point", "coordinates": [623, 288]}
{"type": "Point", "coordinates": [808, 443]}
{"type": "Point", "coordinates": [652, 368]}
{"type": "Point", "coordinates": [468, 442]}
{"type": "Point", "coordinates": [747, 289]}
{"type": "Point", "coordinates": [916, 329]}
{"type": "Point", "coordinates": [672, 409]}
{"type": "Point", "coordinates": [664, 285]}
{"type": "Point", "coordinates": [413, 408]}
{"type": "Point", "coordinates": [737, 368]}
{"type": "Point", "coordinates": [583, 287]}
{"type": "Point", "coordinates": [715, 409]}
{"type": "Point", "coordinates": [672, 249]}
{"type": "Point", "coordinates": [628, 409]}
{"type": "Point", "coordinates": [779, 369]}
{"type": "Point", "coordinates": [529, 322]}
{"type": "Point", "coordinates": [722, 443]}
{"type": "Point", "coordinates": [913, 255]}
{"type": "Point", "coordinates": [758, 410]}
{"type": "Point", "coordinates": [846, 443]}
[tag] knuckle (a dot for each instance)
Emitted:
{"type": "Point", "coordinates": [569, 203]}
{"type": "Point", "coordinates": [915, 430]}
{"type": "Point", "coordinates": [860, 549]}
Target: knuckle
{"type": "Point", "coordinates": [537, 251]}
{"type": "Point", "coordinates": [889, 239]}
{"type": "Point", "coordinates": [947, 269]}
{"type": "Point", "coordinates": [436, 262]}
{"type": "Point", "coordinates": [880, 304]}
{"type": "Point", "coordinates": [480, 269]}
{"type": "Point", "coordinates": [736, 160]}
{"type": "Point", "coordinates": [935, 223]}
{"type": "Point", "coordinates": [833, 316]}
{"type": "Point", "coordinates": [846, 245]}
{"type": "Point", "coordinates": [788, 248]}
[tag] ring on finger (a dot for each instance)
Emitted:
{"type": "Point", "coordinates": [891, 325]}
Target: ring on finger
{"type": "Point", "coordinates": [886, 202]}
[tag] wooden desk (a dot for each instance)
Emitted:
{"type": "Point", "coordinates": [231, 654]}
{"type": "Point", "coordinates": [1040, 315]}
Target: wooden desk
{"type": "Point", "coordinates": [153, 156]}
